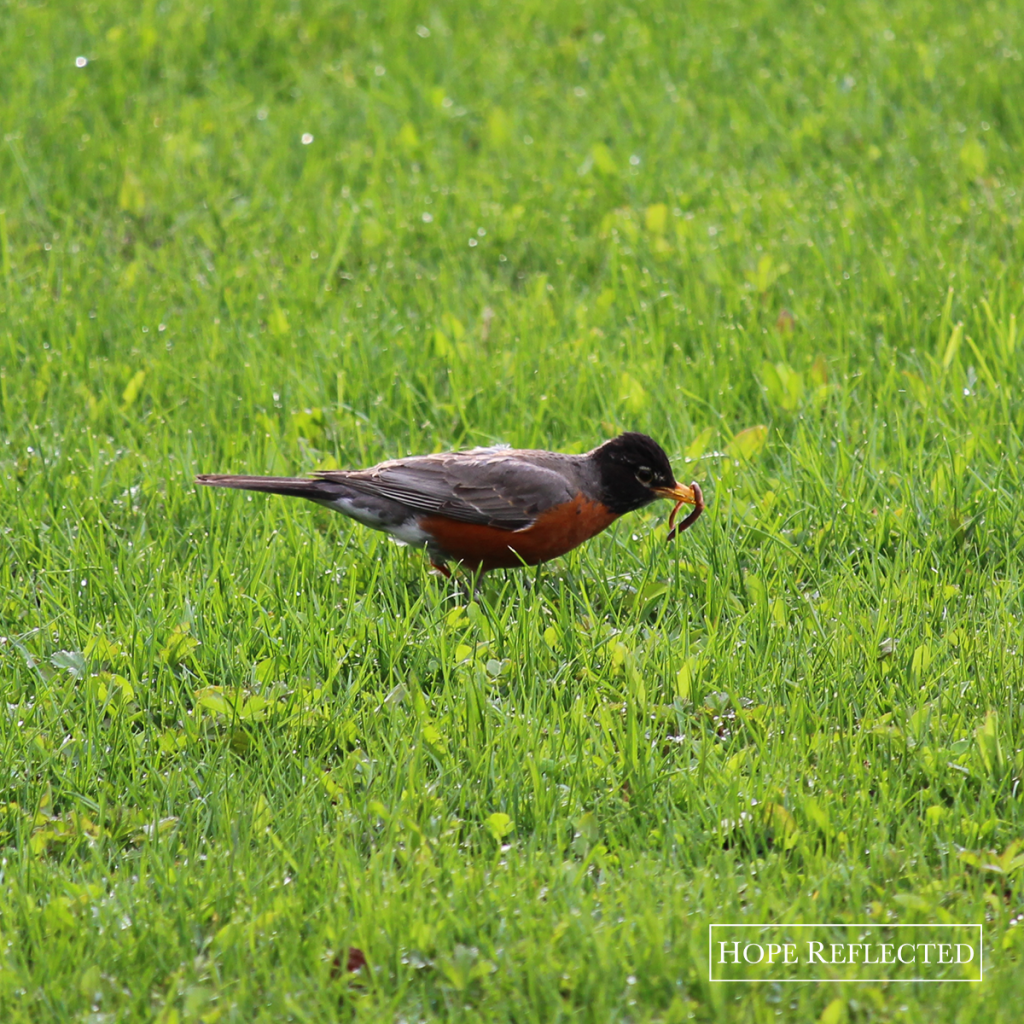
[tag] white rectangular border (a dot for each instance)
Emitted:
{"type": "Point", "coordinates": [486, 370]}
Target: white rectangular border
{"type": "Point", "coordinates": [875, 981]}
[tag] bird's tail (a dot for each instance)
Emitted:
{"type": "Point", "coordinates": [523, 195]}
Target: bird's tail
{"type": "Point", "coordinates": [293, 487]}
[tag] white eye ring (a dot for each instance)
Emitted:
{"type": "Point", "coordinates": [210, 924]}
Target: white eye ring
{"type": "Point", "coordinates": [645, 474]}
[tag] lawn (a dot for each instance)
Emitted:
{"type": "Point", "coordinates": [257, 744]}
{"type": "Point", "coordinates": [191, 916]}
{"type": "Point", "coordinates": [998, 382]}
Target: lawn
{"type": "Point", "coordinates": [248, 743]}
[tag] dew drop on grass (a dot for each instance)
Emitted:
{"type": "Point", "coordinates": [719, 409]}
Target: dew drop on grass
{"type": "Point", "coordinates": [427, 218]}
{"type": "Point", "coordinates": [80, 62]}
{"type": "Point", "coordinates": [307, 138]}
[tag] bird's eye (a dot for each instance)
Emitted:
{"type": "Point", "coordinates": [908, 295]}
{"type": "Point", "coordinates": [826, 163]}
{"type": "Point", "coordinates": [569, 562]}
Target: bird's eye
{"type": "Point", "coordinates": [645, 475]}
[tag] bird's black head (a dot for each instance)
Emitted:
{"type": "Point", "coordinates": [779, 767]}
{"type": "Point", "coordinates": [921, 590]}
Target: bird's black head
{"type": "Point", "coordinates": [633, 471]}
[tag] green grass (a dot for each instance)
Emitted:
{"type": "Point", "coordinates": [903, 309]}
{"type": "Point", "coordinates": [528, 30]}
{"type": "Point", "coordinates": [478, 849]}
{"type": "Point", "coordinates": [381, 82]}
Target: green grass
{"type": "Point", "coordinates": [243, 734]}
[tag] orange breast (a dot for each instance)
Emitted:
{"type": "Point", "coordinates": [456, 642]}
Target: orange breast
{"type": "Point", "coordinates": [551, 534]}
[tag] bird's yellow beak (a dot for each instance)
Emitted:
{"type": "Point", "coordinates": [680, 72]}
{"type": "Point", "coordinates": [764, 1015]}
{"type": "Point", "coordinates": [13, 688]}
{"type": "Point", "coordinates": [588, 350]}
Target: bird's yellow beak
{"type": "Point", "coordinates": [678, 493]}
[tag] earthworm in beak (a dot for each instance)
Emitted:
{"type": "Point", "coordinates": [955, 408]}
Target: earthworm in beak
{"type": "Point", "coordinates": [682, 495]}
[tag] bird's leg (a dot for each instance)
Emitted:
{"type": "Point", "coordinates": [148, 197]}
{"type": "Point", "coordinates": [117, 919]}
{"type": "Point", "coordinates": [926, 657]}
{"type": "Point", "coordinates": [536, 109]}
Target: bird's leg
{"type": "Point", "coordinates": [476, 582]}
{"type": "Point", "coordinates": [698, 508]}
{"type": "Point", "coordinates": [471, 581]}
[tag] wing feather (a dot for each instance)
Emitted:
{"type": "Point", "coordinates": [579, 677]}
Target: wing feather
{"type": "Point", "coordinates": [492, 488]}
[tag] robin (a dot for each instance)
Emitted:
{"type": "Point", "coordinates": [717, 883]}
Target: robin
{"type": "Point", "coordinates": [494, 508]}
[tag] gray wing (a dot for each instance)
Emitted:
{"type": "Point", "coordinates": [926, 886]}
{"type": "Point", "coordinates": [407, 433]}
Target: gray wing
{"type": "Point", "coordinates": [490, 488]}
